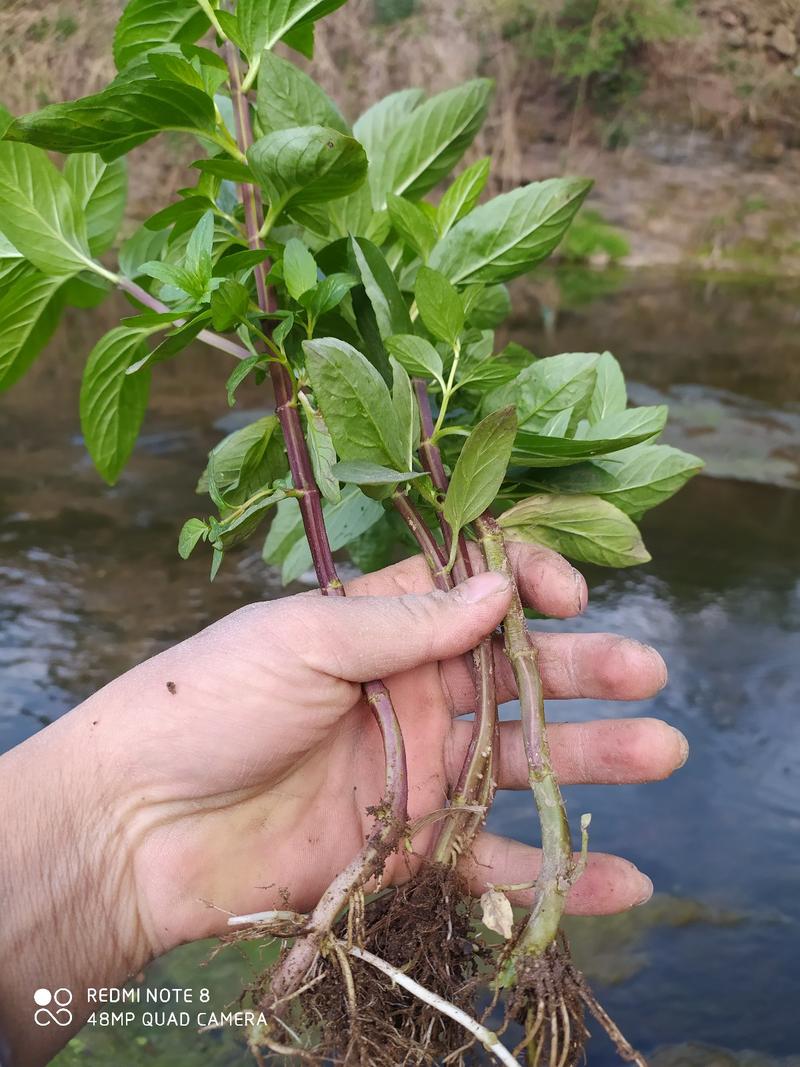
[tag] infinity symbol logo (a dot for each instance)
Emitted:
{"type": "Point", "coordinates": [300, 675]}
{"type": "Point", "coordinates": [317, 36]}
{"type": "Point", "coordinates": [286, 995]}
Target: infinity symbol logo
{"type": "Point", "coordinates": [59, 1014]}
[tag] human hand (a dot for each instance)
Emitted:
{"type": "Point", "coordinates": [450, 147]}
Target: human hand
{"type": "Point", "coordinates": [239, 765]}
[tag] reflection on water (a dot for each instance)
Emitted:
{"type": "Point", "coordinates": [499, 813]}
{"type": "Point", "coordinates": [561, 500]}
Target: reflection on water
{"type": "Point", "coordinates": [721, 600]}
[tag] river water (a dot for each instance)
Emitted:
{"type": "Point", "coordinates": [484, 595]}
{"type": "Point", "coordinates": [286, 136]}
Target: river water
{"type": "Point", "coordinates": [90, 584]}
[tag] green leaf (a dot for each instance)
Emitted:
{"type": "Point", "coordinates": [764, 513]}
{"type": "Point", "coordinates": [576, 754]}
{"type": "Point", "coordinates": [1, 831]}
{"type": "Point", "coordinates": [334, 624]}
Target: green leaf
{"type": "Point", "coordinates": [510, 234]}
{"type": "Point", "coordinates": [462, 196]}
{"type": "Point", "coordinates": [377, 127]}
{"type": "Point", "coordinates": [288, 97]}
{"type": "Point", "coordinates": [375, 548]}
{"type": "Point", "coordinates": [282, 330]}
{"type": "Point", "coordinates": [216, 563]}
{"type": "Point", "coordinates": [239, 261]}
{"type": "Point", "coordinates": [301, 39]}
{"type": "Point", "coordinates": [113, 403]}
{"type": "Point", "coordinates": [286, 529]}
{"type": "Point", "coordinates": [200, 246]}
{"type": "Point", "coordinates": [192, 531]}
{"type": "Point", "coordinates": [171, 67]}
{"type": "Point", "coordinates": [635, 422]}
{"type": "Point", "coordinates": [352, 516]}
{"type": "Point", "coordinates": [328, 294]}
{"type": "Point", "coordinates": [244, 462]}
{"type": "Point", "coordinates": [430, 141]}
{"type": "Point", "coordinates": [146, 24]}
{"type": "Point", "coordinates": [360, 472]}
{"type": "Point", "coordinates": [39, 213]}
{"type": "Point", "coordinates": [480, 469]}
{"type": "Point", "coordinates": [229, 304]}
{"type": "Point", "coordinates": [229, 24]}
{"type": "Point", "coordinates": [29, 313]}
{"type": "Point", "coordinates": [117, 119]}
{"type": "Point", "coordinates": [187, 210]}
{"type": "Point", "coordinates": [321, 450]}
{"type": "Point", "coordinates": [213, 68]}
{"type": "Point", "coordinates": [539, 450]}
{"type": "Point", "coordinates": [273, 20]}
{"type": "Point", "coordinates": [101, 190]}
{"type": "Point", "coordinates": [405, 408]}
{"type": "Point", "coordinates": [412, 225]}
{"type": "Point", "coordinates": [417, 355]}
{"type": "Point", "coordinates": [174, 342]}
{"type": "Point", "coordinates": [12, 262]}
{"type": "Point", "coordinates": [353, 216]}
{"type": "Point", "coordinates": [230, 169]}
{"type": "Point", "coordinates": [239, 373]}
{"type": "Point", "coordinates": [307, 165]}
{"type": "Point", "coordinates": [299, 268]}
{"type": "Point", "coordinates": [548, 387]}
{"type": "Point", "coordinates": [610, 395]}
{"type": "Point", "coordinates": [355, 402]}
{"type": "Point", "coordinates": [143, 246]}
{"type": "Point", "coordinates": [490, 308]}
{"type": "Point", "coordinates": [382, 289]}
{"type": "Point", "coordinates": [440, 306]}
{"type": "Point", "coordinates": [500, 369]}
{"type": "Point", "coordinates": [583, 528]}
{"type": "Point", "coordinates": [238, 524]}
{"type": "Point", "coordinates": [633, 479]}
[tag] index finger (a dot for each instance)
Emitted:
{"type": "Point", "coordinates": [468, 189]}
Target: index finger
{"type": "Point", "coordinates": [547, 582]}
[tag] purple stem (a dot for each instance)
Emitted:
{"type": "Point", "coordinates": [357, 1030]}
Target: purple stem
{"type": "Point", "coordinates": [419, 530]}
{"type": "Point", "coordinates": [392, 819]}
{"type": "Point", "coordinates": [215, 340]}
{"type": "Point", "coordinates": [475, 783]}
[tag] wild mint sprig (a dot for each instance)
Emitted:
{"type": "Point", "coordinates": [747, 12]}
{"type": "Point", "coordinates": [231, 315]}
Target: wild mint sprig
{"type": "Point", "coordinates": [322, 256]}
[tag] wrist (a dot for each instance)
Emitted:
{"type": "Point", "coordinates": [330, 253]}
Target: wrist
{"type": "Point", "coordinates": [71, 917]}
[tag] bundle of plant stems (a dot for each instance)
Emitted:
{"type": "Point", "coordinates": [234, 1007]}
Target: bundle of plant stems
{"type": "Point", "coordinates": [309, 251]}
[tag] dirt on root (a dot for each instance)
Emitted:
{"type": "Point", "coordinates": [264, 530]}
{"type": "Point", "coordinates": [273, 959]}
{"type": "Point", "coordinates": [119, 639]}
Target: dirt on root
{"type": "Point", "coordinates": [425, 928]}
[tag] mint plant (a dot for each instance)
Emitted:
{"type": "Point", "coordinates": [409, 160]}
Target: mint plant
{"type": "Point", "coordinates": [311, 254]}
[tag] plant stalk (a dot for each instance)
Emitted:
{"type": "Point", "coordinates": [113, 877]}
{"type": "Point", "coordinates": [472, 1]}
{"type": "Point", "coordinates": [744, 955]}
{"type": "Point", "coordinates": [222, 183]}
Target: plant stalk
{"type": "Point", "coordinates": [392, 817]}
{"type": "Point", "coordinates": [214, 340]}
{"type": "Point", "coordinates": [557, 871]}
{"type": "Point", "coordinates": [475, 786]}
{"type": "Point", "coordinates": [426, 541]}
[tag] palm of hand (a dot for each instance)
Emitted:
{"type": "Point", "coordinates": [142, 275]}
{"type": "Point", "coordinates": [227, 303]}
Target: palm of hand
{"type": "Point", "coordinates": [262, 757]}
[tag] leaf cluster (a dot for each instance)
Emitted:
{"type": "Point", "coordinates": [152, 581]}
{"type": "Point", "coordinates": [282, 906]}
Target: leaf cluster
{"type": "Point", "coordinates": [389, 276]}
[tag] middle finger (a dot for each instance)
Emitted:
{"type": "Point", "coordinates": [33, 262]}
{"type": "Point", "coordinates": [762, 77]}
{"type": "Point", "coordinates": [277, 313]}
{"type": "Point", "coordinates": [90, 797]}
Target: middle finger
{"type": "Point", "coordinates": [598, 666]}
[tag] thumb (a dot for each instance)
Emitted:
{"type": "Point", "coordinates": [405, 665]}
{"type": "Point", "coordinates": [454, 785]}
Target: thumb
{"type": "Point", "coordinates": [362, 638]}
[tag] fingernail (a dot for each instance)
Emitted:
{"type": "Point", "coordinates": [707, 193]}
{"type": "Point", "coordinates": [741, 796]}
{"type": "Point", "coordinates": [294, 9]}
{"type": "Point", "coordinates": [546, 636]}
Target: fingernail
{"type": "Point", "coordinates": [657, 658]}
{"type": "Point", "coordinates": [490, 583]}
{"type": "Point", "coordinates": [647, 890]}
{"type": "Point", "coordinates": [683, 742]}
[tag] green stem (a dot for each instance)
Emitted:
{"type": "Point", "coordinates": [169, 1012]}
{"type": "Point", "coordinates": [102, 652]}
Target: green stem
{"type": "Point", "coordinates": [448, 392]}
{"type": "Point", "coordinates": [249, 79]}
{"type": "Point", "coordinates": [557, 871]}
{"type": "Point", "coordinates": [222, 138]}
{"type": "Point", "coordinates": [212, 18]}
{"type": "Point", "coordinates": [273, 211]}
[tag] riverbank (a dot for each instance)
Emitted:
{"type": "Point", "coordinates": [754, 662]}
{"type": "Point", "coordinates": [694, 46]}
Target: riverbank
{"type": "Point", "coordinates": [695, 148]}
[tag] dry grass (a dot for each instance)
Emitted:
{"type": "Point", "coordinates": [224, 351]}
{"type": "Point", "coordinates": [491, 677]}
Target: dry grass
{"type": "Point", "coordinates": [61, 49]}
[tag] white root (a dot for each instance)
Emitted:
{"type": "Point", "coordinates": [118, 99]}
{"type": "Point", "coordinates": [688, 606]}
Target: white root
{"type": "Point", "coordinates": [488, 1038]}
{"type": "Point", "coordinates": [267, 917]}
